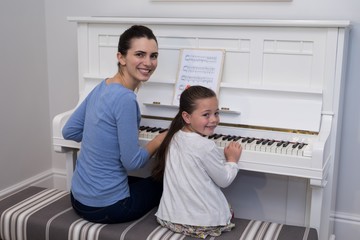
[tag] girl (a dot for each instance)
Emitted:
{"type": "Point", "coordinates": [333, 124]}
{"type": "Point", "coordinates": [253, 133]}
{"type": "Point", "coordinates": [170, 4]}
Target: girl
{"type": "Point", "coordinates": [106, 123]}
{"type": "Point", "coordinates": [194, 169]}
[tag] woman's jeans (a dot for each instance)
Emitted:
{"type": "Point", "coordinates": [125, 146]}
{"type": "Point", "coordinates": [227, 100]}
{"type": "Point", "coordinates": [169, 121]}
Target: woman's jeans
{"type": "Point", "coordinates": [145, 194]}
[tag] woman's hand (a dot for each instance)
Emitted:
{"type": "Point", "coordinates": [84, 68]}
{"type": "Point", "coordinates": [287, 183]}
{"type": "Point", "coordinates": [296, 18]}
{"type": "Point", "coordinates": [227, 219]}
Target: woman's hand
{"type": "Point", "coordinates": [154, 144]}
{"type": "Point", "coordinates": [160, 138]}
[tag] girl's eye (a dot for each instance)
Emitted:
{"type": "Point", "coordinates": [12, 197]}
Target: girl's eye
{"type": "Point", "coordinates": [217, 114]}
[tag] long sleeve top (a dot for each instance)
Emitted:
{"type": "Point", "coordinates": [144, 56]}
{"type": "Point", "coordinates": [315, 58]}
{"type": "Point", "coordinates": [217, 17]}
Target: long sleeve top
{"type": "Point", "coordinates": [195, 172]}
{"type": "Point", "coordinates": [106, 123]}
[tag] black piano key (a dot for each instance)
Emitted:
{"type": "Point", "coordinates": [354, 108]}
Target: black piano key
{"type": "Point", "coordinates": [155, 129]}
{"type": "Point", "coordinates": [143, 128]}
{"type": "Point", "coordinates": [301, 145]}
{"type": "Point", "coordinates": [218, 136]}
{"type": "Point", "coordinates": [150, 129]}
{"type": "Point", "coordinates": [260, 141]}
{"type": "Point", "coordinates": [265, 141]}
{"type": "Point", "coordinates": [251, 140]}
{"type": "Point", "coordinates": [245, 139]}
{"type": "Point", "coordinates": [163, 130]}
{"type": "Point", "coordinates": [285, 144]}
{"type": "Point", "coordinates": [237, 138]}
{"type": "Point", "coordinates": [231, 138]}
{"type": "Point", "coordinates": [296, 144]}
{"type": "Point", "coordinates": [212, 136]}
{"type": "Point", "coordinates": [280, 143]}
{"type": "Point", "coordinates": [271, 142]}
{"type": "Point", "coordinates": [226, 137]}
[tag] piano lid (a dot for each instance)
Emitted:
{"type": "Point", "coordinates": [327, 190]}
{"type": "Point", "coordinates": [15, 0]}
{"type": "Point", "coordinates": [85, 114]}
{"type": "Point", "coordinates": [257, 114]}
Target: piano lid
{"type": "Point", "coordinates": [277, 76]}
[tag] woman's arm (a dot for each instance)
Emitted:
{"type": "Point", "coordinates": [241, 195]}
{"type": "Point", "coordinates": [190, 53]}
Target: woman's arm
{"type": "Point", "coordinates": [132, 155]}
{"type": "Point", "coordinates": [155, 143]}
{"type": "Point", "coordinates": [73, 129]}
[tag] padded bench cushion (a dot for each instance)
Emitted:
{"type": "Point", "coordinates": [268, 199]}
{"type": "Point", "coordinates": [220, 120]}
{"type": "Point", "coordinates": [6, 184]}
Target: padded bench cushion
{"type": "Point", "coordinates": [46, 214]}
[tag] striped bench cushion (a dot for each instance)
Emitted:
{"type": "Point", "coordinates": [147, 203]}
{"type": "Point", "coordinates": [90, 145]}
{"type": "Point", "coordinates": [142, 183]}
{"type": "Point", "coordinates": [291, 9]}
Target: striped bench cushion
{"type": "Point", "coordinates": [46, 214]}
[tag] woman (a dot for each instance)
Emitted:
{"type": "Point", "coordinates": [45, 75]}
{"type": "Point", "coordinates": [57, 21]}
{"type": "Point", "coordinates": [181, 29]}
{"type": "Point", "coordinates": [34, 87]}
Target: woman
{"type": "Point", "coordinates": [106, 123]}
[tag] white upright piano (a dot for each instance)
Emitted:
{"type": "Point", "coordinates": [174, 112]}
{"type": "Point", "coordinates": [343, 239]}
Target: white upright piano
{"type": "Point", "coordinates": [280, 93]}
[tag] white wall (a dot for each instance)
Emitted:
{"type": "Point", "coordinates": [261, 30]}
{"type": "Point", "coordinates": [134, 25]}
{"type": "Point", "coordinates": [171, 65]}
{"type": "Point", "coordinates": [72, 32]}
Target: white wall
{"type": "Point", "coordinates": [25, 148]}
{"type": "Point", "coordinates": [38, 71]}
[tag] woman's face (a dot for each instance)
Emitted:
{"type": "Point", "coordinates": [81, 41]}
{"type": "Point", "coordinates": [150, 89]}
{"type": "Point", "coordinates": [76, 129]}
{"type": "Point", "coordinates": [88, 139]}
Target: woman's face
{"type": "Point", "coordinates": [141, 59]}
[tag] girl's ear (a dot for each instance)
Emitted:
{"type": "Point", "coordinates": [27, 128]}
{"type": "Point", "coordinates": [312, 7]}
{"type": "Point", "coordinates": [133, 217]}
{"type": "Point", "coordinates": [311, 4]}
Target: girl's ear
{"type": "Point", "coordinates": [121, 59]}
{"type": "Point", "coordinates": [186, 117]}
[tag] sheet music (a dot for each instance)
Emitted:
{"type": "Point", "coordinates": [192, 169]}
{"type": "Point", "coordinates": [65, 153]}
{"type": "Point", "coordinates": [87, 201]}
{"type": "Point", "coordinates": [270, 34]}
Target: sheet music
{"type": "Point", "coordinates": [199, 67]}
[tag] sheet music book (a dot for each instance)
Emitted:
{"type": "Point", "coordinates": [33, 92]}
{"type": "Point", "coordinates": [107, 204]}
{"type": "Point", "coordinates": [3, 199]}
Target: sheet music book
{"type": "Point", "coordinates": [199, 67]}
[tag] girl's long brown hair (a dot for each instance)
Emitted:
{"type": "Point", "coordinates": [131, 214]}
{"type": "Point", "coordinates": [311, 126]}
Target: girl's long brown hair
{"type": "Point", "coordinates": [188, 100]}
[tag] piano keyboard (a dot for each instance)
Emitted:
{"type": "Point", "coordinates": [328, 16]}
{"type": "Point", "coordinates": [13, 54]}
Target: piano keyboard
{"type": "Point", "coordinates": [248, 143]}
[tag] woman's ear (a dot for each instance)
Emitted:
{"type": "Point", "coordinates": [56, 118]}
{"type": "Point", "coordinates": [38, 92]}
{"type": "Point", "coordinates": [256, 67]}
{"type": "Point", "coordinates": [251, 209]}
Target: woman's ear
{"type": "Point", "coordinates": [186, 117]}
{"type": "Point", "coordinates": [121, 59]}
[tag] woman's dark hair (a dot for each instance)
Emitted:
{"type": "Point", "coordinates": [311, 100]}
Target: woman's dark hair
{"type": "Point", "coordinates": [188, 100]}
{"type": "Point", "coordinates": [135, 31]}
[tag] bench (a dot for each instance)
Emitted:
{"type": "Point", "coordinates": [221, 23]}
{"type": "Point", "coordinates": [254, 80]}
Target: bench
{"type": "Point", "coordinates": [36, 213]}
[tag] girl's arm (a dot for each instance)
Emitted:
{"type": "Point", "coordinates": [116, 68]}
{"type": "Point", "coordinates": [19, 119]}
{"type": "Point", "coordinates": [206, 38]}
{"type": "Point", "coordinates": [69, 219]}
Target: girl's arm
{"type": "Point", "coordinates": [223, 171]}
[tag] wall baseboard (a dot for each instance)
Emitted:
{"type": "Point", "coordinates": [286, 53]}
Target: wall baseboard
{"type": "Point", "coordinates": [52, 178]}
{"type": "Point", "coordinates": [346, 217]}
{"type": "Point", "coordinates": [346, 225]}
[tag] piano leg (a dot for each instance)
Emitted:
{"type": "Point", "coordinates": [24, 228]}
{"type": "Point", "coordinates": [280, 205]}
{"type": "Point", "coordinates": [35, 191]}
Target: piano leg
{"type": "Point", "coordinates": [315, 207]}
{"type": "Point", "coordinates": [319, 216]}
{"type": "Point", "coordinates": [71, 157]}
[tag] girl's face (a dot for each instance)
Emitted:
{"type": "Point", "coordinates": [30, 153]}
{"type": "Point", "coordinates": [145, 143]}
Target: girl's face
{"type": "Point", "coordinates": [141, 59]}
{"type": "Point", "coordinates": [204, 118]}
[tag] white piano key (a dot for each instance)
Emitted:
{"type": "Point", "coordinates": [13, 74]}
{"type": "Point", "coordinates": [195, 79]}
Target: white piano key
{"type": "Point", "coordinates": [258, 144]}
{"type": "Point", "coordinates": [243, 141]}
{"type": "Point", "coordinates": [301, 148]}
{"type": "Point", "coordinates": [307, 152]}
{"type": "Point", "coordinates": [295, 152]}
{"type": "Point", "coordinates": [284, 147]}
{"type": "Point", "coordinates": [218, 139]}
{"type": "Point", "coordinates": [263, 145]}
{"type": "Point", "coordinates": [289, 149]}
{"type": "Point", "coordinates": [250, 144]}
{"type": "Point", "coordinates": [271, 147]}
